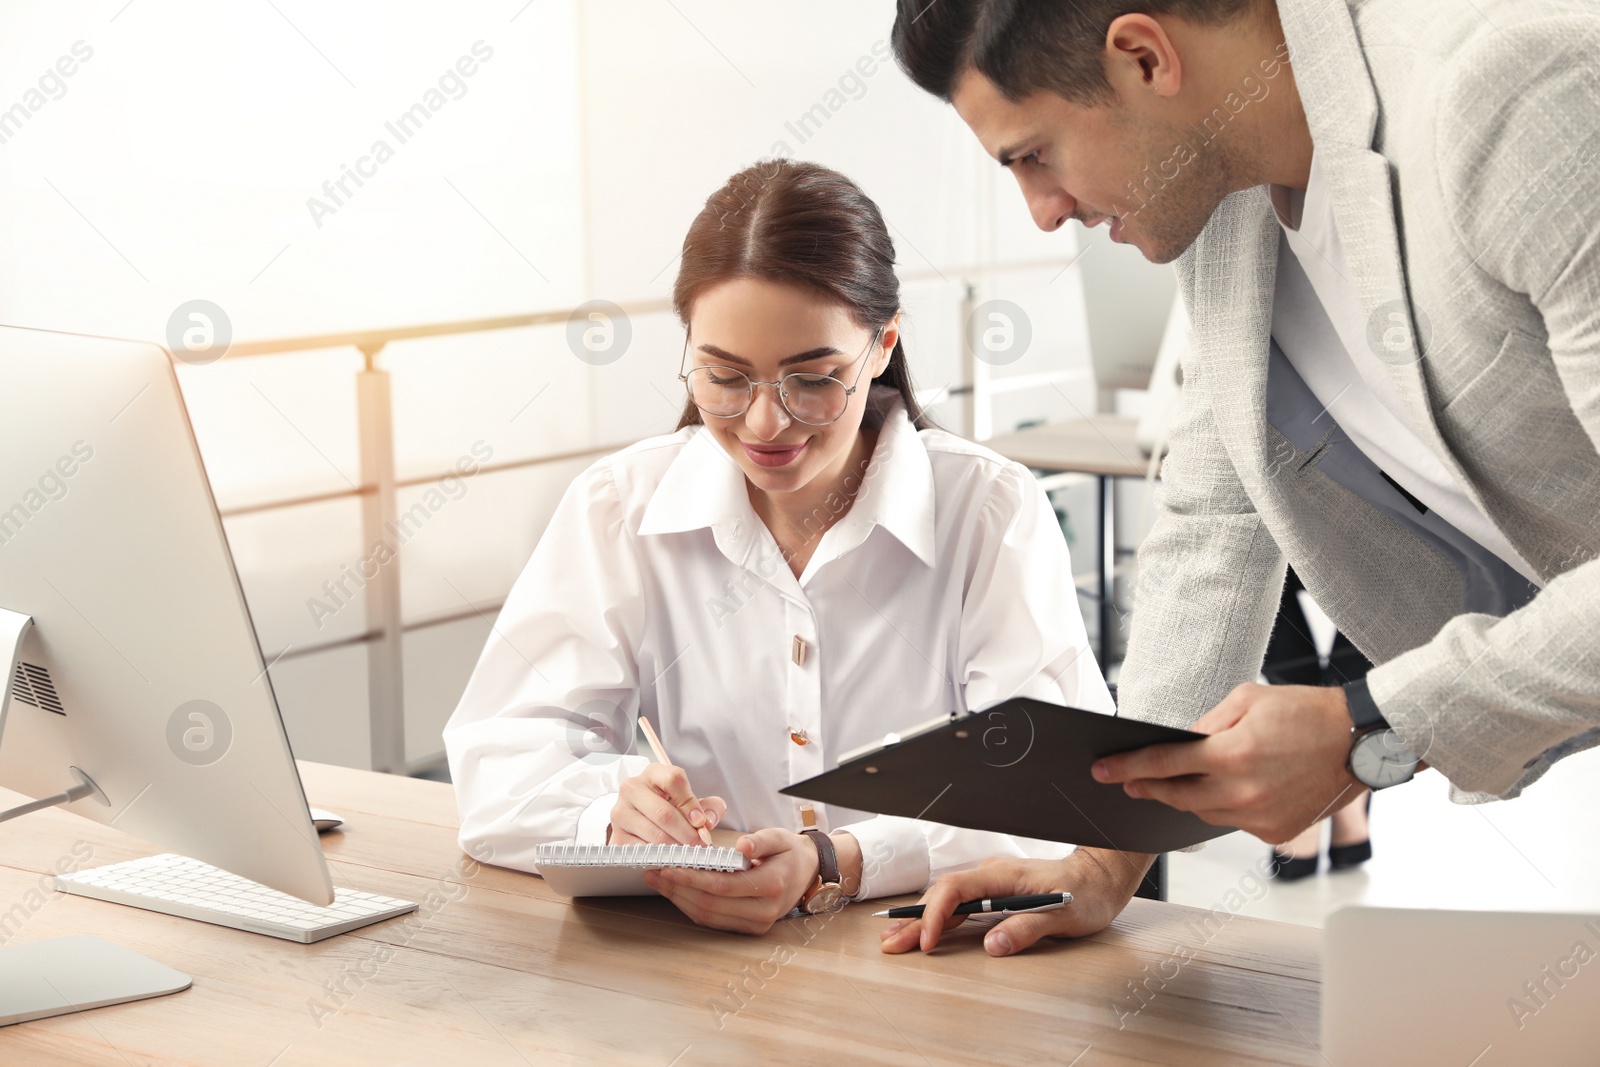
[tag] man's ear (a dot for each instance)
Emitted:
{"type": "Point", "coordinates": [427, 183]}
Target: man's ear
{"type": "Point", "coordinates": [1142, 54]}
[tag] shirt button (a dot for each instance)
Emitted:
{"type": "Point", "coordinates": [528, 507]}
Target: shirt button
{"type": "Point", "coordinates": [797, 651]}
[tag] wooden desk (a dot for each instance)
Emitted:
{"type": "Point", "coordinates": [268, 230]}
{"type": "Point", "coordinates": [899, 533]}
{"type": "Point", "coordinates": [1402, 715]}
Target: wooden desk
{"type": "Point", "coordinates": [502, 971]}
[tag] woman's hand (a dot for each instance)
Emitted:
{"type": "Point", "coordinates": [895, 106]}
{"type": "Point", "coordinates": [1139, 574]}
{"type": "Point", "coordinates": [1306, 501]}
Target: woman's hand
{"type": "Point", "coordinates": [657, 807]}
{"type": "Point", "coordinates": [1101, 883]}
{"type": "Point", "coordinates": [783, 866]}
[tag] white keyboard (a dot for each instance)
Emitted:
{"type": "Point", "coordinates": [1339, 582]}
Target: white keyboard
{"type": "Point", "coordinates": [178, 885]}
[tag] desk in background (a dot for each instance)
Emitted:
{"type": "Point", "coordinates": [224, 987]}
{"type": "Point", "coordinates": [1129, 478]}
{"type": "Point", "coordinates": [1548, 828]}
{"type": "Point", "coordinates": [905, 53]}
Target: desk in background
{"type": "Point", "coordinates": [1105, 446]}
{"type": "Point", "coordinates": [496, 969]}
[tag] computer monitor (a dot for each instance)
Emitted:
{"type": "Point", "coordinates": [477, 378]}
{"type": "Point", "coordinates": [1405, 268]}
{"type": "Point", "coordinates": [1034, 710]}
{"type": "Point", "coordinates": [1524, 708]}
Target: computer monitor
{"type": "Point", "coordinates": [139, 683]}
{"type": "Point", "coordinates": [1126, 297]}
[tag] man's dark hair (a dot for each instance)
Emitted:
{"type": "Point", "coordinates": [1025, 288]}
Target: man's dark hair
{"type": "Point", "coordinates": [1027, 46]}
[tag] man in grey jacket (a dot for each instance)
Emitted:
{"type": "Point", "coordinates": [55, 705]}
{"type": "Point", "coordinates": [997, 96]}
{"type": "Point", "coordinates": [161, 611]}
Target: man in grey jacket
{"type": "Point", "coordinates": [1385, 217]}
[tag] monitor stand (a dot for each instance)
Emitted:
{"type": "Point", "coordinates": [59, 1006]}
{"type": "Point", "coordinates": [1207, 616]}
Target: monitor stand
{"type": "Point", "coordinates": [66, 974]}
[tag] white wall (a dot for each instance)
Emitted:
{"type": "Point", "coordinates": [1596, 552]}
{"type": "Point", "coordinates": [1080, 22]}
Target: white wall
{"type": "Point", "coordinates": [179, 159]}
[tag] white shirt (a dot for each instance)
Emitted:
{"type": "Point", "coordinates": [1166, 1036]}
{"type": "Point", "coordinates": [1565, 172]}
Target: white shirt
{"type": "Point", "coordinates": [1318, 322]}
{"type": "Point", "coordinates": [657, 589]}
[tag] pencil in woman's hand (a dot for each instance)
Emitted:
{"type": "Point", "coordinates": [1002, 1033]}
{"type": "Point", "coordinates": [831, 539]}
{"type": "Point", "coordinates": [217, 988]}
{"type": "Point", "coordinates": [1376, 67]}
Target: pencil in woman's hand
{"type": "Point", "coordinates": [661, 757]}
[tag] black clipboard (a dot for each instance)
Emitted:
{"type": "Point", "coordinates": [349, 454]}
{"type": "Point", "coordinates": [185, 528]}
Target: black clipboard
{"type": "Point", "coordinates": [1020, 767]}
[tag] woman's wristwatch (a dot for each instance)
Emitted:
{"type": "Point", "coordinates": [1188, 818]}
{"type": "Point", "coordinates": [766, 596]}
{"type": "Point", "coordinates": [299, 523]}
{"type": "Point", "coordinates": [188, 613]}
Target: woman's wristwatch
{"type": "Point", "coordinates": [826, 892]}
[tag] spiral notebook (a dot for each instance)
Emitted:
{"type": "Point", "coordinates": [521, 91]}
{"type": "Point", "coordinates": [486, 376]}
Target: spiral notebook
{"type": "Point", "coordinates": [618, 870]}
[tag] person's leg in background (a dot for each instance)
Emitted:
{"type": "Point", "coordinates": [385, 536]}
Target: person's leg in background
{"type": "Point", "coordinates": [1349, 841]}
{"type": "Point", "coordinates": [1292, 659]}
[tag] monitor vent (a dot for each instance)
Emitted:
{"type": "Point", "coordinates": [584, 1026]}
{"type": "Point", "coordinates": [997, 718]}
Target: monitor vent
{"type": "Point", "coordinates": [32, 685]}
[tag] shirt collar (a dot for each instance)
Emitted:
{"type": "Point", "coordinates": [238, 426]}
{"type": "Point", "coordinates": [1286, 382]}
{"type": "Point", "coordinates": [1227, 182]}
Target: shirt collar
{"type": "Point", "coordinates": [897, 492]}
{"type": "Point", "coordinates": [704, 488]}
{"type": "Point", "coordinates": [1295, 208]}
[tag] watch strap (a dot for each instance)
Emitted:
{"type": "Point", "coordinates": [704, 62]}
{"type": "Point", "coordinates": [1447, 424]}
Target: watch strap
{"type": "Point", "coordinates": [827, 856]}
{"type": "Point", "coordinates": [1364, 712]}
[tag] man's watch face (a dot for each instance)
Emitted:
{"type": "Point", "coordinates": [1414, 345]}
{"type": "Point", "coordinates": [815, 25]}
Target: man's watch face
{"type": "Point", "coordinates": [1380, 759]}
{"type": "Point", "coordinates": [826, 898]}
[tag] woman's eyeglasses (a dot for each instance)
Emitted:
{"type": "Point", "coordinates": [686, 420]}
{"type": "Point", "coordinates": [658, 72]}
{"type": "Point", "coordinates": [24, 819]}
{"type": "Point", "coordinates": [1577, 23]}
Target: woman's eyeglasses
{"type": "Point", "coordinates": [814, 399]}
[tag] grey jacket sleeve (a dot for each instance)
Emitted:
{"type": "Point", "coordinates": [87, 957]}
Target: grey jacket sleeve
{"type": "Point", "coordinates": [1492, 702]}
{"type": "Point", "coordinates": [1209, 579]}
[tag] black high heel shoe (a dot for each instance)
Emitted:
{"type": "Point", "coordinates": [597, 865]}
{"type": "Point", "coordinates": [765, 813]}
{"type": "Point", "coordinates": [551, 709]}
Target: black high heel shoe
{"type": "Point", "coordinates": [1292, 868]}
{"type": "Point", "coordinates": [1344, 857]}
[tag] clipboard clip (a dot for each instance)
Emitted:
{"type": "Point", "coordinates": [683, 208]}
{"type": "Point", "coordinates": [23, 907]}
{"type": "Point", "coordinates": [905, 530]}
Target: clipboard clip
{"type": "Point", "coordinates": [892, 739]}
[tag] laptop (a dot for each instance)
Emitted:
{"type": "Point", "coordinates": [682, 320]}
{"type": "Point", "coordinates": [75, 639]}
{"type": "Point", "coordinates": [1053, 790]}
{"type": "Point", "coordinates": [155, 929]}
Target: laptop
{"type": "Point", "coordinates": [1465, 988]}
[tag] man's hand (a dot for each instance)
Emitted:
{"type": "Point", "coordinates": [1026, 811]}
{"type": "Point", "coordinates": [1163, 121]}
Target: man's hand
{"type": "Point", "coordinates": [657, 807]}
{"type": "Point", "coordinates": [783, 866]}
{"type": "Point", "coordinates": [1274, 764]}
{"type": "Point", "coordinates": [1101, 883]}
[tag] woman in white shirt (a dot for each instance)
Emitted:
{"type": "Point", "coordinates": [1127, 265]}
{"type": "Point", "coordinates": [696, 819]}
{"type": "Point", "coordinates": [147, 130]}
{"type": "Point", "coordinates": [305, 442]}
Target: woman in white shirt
{"type": "Point", "coordinates": [802, 568]}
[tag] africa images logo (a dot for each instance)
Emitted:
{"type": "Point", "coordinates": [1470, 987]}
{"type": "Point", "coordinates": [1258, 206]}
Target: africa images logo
{"type": "Point", "coordinates": [199, 733]}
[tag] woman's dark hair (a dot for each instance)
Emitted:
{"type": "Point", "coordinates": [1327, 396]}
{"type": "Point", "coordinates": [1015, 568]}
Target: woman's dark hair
{"type": "Point", "coordinates": [804, 225]}
{"type": "Point", "coordinates": [1028, 46]}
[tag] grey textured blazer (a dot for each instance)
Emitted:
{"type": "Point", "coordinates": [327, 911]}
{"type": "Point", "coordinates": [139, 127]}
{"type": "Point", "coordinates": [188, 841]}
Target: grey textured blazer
{"type": "Point", "coordinates": [1461, 146]}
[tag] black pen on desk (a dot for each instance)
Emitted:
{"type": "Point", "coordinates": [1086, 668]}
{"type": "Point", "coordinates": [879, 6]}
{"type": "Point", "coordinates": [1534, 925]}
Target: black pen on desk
{"type": "Point", "coordinates": [992, 906]}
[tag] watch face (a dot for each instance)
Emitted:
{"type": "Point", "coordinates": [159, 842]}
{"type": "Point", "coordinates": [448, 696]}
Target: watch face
{"type": "Point", "coordinates": [826, 898]}
{"type": "Point", "coordinates": [1381, 759]}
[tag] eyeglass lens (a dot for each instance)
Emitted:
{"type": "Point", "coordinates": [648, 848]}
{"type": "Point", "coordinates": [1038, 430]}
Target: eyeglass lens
{"type": "Point", "coordinates": [816, 399]}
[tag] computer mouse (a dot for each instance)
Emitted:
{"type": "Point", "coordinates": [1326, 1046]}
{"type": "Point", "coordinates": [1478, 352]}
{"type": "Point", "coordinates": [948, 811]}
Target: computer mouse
{"type": "Point", "coordinates": [324, 820]}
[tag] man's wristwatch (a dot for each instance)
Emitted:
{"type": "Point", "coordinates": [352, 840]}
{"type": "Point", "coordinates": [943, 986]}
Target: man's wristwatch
{"type": "Point", "coordinates": [1379, 757]}
{"type": "Point", "coordinates": [825, 893]}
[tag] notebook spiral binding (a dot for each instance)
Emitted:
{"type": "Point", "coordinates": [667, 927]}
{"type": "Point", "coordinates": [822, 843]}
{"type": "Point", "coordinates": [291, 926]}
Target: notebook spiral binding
{"type": "Point", "coordinates": [641, 856]}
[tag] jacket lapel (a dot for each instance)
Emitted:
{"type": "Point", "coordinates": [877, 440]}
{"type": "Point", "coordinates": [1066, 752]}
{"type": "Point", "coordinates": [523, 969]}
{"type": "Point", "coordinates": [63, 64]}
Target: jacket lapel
{"type": "Point", "coordinates": [1234, 264]}
{"type": "Point", "coordinates": [1341, 108]}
